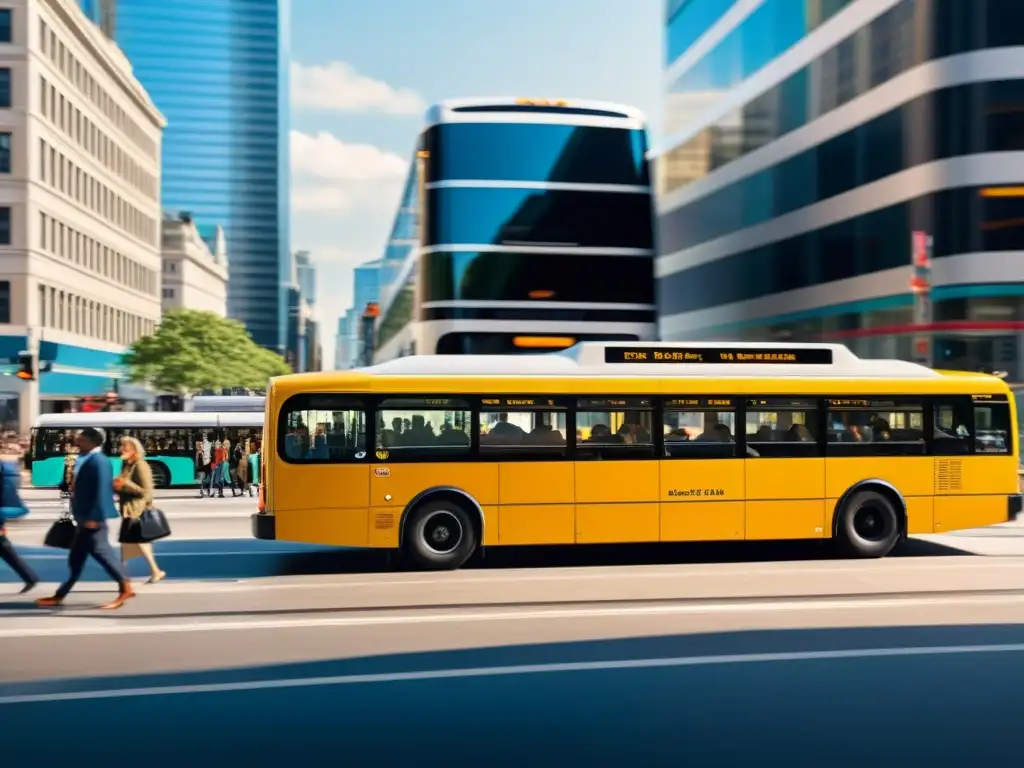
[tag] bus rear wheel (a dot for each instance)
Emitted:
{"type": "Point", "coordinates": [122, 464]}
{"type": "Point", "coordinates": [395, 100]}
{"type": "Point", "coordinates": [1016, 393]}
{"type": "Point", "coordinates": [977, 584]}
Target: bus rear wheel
{"type": "Point", "coordinates": [440, 536]}
{"type": "Point", "coordinates": [869, 525]}
{"type": "Point", "coordinates": [161, 477]}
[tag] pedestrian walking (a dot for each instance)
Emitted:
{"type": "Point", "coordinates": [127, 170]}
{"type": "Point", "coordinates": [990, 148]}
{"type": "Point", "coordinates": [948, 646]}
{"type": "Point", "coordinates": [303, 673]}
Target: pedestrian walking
{"type": "Point", "coordinates": [218, 468]}
{"type": "Point", "coordinates": [244, 458]}
{"type": "Point", "coordinates": [208, 464]}
{"type": "Point", "coordinates": [92, 503]}
{"type": "Point", "coordinates": [11, 506]}
{"type": "Point", "coordinates": [134, 486]}
{"type": "Point", "coordinates": [200, 462]}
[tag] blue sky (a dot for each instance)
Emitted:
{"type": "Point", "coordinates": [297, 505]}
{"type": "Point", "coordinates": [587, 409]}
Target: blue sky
{"type": "Point", "coordinates": [363, 71]}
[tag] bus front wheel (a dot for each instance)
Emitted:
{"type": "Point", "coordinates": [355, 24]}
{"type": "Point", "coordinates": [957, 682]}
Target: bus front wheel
{"type": "Point", "coordinates": [869, 525]}
{"type": "Point", "coordinates": [440, 535]}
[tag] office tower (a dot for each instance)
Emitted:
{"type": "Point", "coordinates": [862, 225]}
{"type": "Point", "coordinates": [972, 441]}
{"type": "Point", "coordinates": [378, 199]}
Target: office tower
{"type": "Point", "coordinates": [195, 265]}
{"type": "Point", "coordinates": [810, 144]}
{"type": "Point", "coordinates": [219, 71]}
{"type": "Point", "coordinates": [80, 219]}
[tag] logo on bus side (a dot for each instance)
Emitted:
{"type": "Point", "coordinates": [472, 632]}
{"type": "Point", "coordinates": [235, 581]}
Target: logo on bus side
{"type": "Point", "coordinates": [676, 492]}
{"type": "Point", "coordinates": [382, 472]}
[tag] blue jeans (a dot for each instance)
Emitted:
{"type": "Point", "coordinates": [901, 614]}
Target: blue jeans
{"type": "Point", "coordinates": [95, 542]}
{"type": "Point", "coordinates": [217, 478]}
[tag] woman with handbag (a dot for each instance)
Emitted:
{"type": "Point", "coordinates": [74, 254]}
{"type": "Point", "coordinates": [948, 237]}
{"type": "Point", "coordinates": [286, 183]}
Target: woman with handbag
{"type": "Point", "coordinates": [134, 488]}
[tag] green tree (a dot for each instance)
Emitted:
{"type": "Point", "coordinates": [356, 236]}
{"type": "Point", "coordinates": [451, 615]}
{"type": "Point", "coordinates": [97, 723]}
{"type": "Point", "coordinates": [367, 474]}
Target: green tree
{"type": "Point", "coordinates": [193, 350]}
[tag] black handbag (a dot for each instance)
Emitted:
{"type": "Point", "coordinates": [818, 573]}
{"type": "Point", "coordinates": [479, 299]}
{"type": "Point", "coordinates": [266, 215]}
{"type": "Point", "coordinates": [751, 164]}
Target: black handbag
{"type": "Point", "coordinates": [62, 533]}
{"type": "Point", "coordinates": [151, 525]}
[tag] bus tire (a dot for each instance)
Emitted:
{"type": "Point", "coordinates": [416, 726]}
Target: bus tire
{"type": "Point", "coordinates": [439, 536]}
{"type": "Point", "coordinates": [161, 477]}
{"type": "Point", "coordinates": [869, 525]}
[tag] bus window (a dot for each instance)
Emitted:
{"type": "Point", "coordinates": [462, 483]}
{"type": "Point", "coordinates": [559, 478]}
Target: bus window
{"type": "Point", "coordinates": [522, 428]}
{"type": "Point", "coordinates": [322, 429]}
{"type": "Point", "coordinates": [782, 427]}
{"type": "Point", "coordinates": [614, 428]}
{"type": "Point", "coordinates": [952, 434]}
{"type": "Point", "coordinates": [424, 428]}
{"type": "Point", "coordinates": [874, 427]}
{"type": "Point", "coordinates": [700, 428]}
{"type": "Point", "coordinates": [992, 433]}
{"type": "Point", "coordinates": [55, 442]}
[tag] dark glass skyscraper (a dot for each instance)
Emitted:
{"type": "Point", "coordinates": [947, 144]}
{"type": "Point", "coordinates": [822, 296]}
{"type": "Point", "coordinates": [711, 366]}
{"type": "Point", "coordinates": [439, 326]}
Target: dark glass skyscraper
{"type": "Point", "coordinates": [218, 69]}
{"type": "Point", "coordinates": [813, 147]}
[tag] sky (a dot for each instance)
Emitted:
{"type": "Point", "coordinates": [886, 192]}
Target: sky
{"type": "Point", "coordinates": [364, 71]}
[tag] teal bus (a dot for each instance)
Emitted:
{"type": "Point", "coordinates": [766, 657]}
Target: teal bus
{"type": "Point", "coordinates": [168, 436]}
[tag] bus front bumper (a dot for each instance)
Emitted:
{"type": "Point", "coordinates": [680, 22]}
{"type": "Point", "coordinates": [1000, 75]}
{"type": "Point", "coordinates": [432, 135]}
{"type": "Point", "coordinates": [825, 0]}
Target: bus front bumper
{"type": "Point", "coordinates": [1014, 505]}
{"type": "Point", "coordinates": [263, 527]}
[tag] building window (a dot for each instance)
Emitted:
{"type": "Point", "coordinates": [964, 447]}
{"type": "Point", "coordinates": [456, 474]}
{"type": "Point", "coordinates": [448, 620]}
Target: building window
{"type": "Point", "coordinates": [5, 226]}
{"type": "Point", "coordinates": [5, 25]}
{"type": "Point", "coordinates": [5, 301]}
{"type": "Point", "coordinates": [5, 152]}
{"type": "Point", "coordinates": [5, 87]}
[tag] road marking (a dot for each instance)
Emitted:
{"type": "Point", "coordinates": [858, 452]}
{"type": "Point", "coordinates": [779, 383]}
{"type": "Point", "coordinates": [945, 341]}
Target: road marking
{"type": "Point", "coordinates": [520, 669]}
{"type": "Point", "coordinates": [43, 626]}
{"type": "Point", "coordinates": [570, 574]}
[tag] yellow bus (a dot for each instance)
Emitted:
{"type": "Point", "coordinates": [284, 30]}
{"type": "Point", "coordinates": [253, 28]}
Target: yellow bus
{"type": "Point", "coordinates": [607, 443]}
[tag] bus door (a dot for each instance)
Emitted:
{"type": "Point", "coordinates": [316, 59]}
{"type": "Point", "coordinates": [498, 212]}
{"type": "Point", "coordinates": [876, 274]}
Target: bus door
{"type": "Point", "coordinates": [975, 467]}
{"type": "Point", "coordinates": [320, 490]}
{"type": "Point", "coordinates": [784, 469]}
{"type": "Point", "coordinates": [616, 471]}
{"type": "Point", "coordinates": [528, 438]}
{"type": "Point", "coordinates": [702, 475]}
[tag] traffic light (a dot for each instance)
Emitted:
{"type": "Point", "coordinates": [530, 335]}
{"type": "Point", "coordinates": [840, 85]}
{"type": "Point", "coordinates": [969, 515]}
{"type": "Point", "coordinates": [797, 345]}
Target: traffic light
{"type": "Point", "coordinates": [27, 369]}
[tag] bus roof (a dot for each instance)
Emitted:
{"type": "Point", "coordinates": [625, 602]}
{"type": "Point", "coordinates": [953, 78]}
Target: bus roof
{"type": "Point", "coordinates": [226, 403]}
{"type": "Point", "coordinates": [149, 420]}
{"type": "Point", "coordinates": [753, 363]}
{"type": "Point", "coordinates": [513, 109]}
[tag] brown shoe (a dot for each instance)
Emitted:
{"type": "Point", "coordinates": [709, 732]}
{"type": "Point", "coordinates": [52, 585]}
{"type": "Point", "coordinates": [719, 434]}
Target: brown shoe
{"type": "Point", "coordinates": [49, 602]}
{"type": "Point", "coordinates": [127, 593]}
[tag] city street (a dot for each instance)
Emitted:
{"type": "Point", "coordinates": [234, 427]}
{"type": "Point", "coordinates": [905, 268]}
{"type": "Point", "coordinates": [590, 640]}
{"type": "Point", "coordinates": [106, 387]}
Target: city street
{"type": "Point", "coordinates": [720, 655]}
{"type": "Point", "coordinates": [719, 663]}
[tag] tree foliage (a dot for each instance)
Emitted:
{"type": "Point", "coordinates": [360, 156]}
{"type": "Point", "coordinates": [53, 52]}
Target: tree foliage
{"type": "Point", "coordinates": [192, 350]}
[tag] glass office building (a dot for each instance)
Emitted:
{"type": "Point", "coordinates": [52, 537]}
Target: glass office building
{"type": "Point", "coordinates": [806, 140]}
{"type": "Point", "coordinates": [218, 69]}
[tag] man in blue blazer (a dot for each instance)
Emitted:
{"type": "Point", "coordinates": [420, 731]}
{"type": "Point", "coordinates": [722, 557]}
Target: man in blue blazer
{"type": "Point", "coordinates": [92, 503]}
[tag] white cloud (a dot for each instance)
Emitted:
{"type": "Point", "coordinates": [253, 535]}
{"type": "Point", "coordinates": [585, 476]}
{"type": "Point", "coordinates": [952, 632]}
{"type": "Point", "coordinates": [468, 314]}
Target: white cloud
{"type": "Point", "coordinates": [320, 198]}
{"type": "Point", "coordinates": [338, 87]}
{"type": "Point", "coordinates": [328, 157]}
{"type": "Point", "coordinates": [329, 174]}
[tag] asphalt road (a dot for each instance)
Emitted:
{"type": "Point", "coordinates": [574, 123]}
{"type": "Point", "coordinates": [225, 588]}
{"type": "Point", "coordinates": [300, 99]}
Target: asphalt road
{"type": "Point", "coordinates": [710, 655]}
{"type": "Point", "coordinates": [809, 663]}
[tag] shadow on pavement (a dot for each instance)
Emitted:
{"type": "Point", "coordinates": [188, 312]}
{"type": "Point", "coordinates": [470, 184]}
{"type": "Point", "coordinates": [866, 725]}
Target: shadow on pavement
{"type": "Point", "coordinates": [200, 559]}
{"type": "Point", "coordinates": [334, 561]}
{"type": "Point", "coordinates": [668, 554]}
{"type": "Point", "coordinates": [724, 698]}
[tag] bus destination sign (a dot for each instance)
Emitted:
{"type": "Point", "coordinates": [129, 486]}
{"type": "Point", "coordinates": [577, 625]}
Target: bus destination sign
{"type": "Point", "coordinates": [717, 356]}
